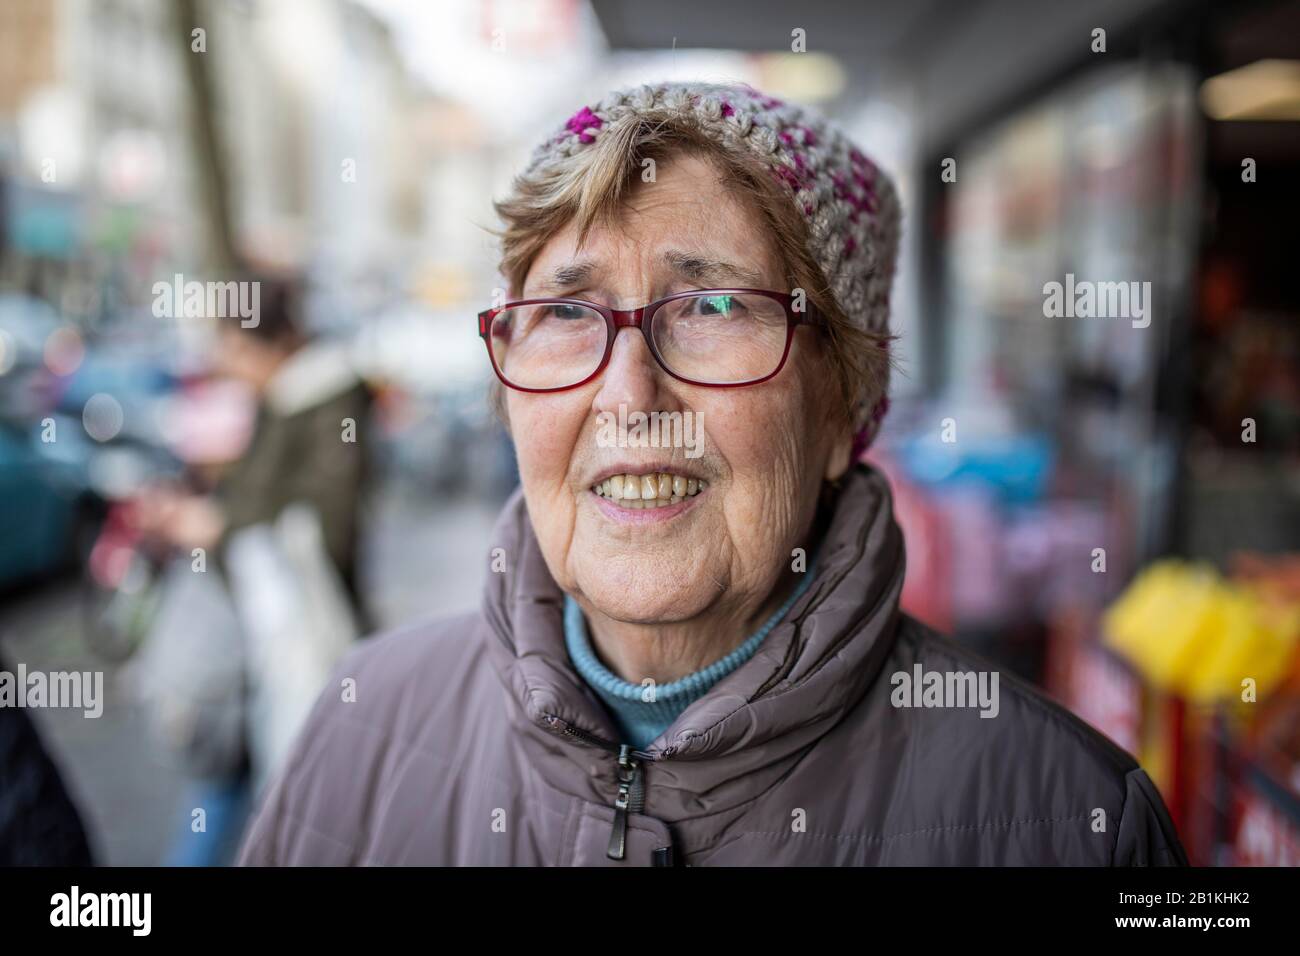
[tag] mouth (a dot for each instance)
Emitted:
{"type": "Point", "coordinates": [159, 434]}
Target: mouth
{"type": "Point", "coordinates": [656, 489]}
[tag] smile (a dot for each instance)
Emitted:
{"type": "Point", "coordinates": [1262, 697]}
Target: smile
{"type": "Point", "coordinates": [655, 490]}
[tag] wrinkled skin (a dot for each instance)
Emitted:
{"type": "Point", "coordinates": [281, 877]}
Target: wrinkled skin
{"type": "Point", "coordinates": [668, 598]}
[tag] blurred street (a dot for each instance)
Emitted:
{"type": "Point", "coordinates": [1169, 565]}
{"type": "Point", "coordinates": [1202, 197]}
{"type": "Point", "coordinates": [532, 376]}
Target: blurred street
{"type": "Point", "coordinates": [419, 564]}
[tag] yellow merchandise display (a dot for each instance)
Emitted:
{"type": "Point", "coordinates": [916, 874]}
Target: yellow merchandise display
{"type": "Point", "coordinates": [1190, 632]}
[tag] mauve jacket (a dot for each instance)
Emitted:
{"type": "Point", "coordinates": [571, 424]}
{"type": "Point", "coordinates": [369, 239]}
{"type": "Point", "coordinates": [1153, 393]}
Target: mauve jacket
{"type": "Point", "coordinates": [472, 741]}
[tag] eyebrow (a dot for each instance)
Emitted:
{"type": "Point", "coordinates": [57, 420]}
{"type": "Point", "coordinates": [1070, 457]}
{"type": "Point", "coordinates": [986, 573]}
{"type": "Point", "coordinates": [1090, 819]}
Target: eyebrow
{"type": "Point", "coordinates": [571, 274]}
{"type": "Point", "coordinates": [707, 269]}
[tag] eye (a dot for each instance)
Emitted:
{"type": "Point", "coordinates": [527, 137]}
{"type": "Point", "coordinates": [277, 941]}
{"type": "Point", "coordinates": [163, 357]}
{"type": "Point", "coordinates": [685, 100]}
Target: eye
{"type": "Point", "coordinates": [715, 305]}
{"type": "Point", "coordinates": [559, 310]}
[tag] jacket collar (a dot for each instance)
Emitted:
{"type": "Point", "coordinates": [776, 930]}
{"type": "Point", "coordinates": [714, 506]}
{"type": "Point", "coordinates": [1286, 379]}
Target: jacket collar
{"type": "Point", "coordinates": [810, 671]}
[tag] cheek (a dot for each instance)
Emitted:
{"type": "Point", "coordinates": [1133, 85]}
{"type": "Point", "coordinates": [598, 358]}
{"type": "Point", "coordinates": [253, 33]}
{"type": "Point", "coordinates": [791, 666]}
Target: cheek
{"type": "Point", "coordinates": [766, 435]}
{"type": "Point", "coordinates": [545, 431]}
{"type": "Point", "coordinates": [768, 444]}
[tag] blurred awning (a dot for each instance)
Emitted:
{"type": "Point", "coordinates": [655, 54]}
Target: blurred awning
{"type": "Point", "coordinates": [961, 60]}
{"type": "Point", "coordinates": [862, 30]}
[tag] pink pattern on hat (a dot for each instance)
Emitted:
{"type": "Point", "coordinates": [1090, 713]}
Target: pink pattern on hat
{"type": "Point", "coordinates": [582, 121]}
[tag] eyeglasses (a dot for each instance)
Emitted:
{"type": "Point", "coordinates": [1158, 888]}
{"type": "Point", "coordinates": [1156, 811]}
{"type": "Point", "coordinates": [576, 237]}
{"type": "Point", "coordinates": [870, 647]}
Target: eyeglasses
{"type": "Point", "coordinates": [721, 338]}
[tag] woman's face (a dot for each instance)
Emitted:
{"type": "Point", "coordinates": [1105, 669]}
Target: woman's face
{"type": "Point", "coordinates": [765, 448]}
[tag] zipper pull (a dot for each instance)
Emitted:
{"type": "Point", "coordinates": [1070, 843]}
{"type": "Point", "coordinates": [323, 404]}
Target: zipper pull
{"type": "Point", "coordinates": [628, 771]}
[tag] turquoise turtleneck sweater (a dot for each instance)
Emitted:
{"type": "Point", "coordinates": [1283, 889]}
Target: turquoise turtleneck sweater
{"type": "Point", "coordinates": [640, 720]}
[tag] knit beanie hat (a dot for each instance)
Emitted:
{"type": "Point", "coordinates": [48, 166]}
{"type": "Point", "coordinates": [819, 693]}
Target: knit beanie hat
{"type": "Point", "coordinates": [849, 204]}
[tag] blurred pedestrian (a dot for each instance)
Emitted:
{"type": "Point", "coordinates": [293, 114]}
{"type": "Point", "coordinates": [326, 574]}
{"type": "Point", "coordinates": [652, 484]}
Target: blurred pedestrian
{"type": "Point", "coordinates": [302, 447]}
{"type": "Point", "coordinates": [308, 448]}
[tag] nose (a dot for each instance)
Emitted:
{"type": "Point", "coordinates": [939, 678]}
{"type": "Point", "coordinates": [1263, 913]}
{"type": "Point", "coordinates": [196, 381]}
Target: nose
{"type": "Point", "coordinates": [632, 377]}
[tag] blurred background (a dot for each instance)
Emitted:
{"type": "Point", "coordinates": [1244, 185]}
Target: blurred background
{"type": "Point", "coordinates": [1117, 519]}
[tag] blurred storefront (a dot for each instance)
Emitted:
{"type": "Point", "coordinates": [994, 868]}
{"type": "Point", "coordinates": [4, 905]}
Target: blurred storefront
{"type": "Point", "coordinates": [1061, 453]}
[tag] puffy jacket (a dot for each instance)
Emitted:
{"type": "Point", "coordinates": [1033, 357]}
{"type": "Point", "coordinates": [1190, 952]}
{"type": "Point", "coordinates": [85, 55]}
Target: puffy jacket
{"type": "Point", "coordinates": [473, 741]}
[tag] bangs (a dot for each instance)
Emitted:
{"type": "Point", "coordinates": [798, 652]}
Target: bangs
{"type": "Point", "coordinates": [594, 184]}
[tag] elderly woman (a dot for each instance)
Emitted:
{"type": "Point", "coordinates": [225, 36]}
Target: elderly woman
{"type": "Point", "coordinates": [690, 650]}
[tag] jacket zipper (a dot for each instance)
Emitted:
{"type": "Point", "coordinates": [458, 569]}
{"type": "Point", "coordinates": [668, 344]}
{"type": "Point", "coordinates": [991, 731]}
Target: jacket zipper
{"type": "Point", "coordinates": [630, 797]}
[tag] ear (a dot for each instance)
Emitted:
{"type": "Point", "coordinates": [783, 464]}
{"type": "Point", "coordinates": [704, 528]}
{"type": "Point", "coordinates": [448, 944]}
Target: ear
{"type": "Point", "coordinates": [841, 453]}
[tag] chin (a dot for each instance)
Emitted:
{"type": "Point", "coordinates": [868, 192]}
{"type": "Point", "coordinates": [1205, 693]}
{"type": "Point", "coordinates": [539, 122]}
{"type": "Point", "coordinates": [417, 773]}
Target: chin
{"type": "Point", "coordinates": [638, 603]}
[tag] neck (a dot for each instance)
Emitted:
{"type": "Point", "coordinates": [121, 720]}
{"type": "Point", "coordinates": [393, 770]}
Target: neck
{"type": "Point", "coordinates": [667, 652]}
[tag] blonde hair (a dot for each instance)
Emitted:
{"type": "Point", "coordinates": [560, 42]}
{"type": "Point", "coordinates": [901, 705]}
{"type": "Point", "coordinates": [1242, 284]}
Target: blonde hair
{"type": "Point", "coordinates": [591, 186]}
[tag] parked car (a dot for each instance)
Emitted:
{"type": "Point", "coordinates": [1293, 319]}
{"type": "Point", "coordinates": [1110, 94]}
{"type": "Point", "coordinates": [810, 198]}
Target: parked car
{"type": "Point", "coordinates": [49, 510]}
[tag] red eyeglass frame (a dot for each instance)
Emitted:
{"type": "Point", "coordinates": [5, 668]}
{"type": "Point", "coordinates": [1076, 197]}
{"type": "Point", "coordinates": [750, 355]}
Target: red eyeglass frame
{"type": "Point", "coordinates": [643, 319]}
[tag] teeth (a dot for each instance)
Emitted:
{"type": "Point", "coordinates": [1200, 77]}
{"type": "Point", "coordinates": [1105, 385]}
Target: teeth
{"type": "Point", "coordinates": [655, 490]}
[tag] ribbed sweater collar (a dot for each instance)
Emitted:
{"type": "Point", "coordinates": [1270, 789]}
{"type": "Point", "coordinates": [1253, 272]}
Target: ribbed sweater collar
{"type": "Point", "coordinates": [644, 711]}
